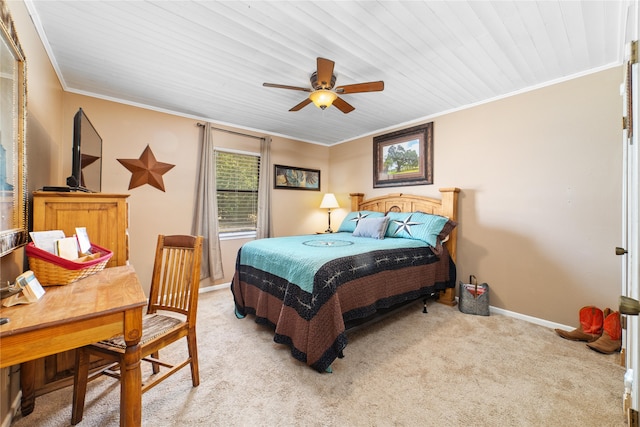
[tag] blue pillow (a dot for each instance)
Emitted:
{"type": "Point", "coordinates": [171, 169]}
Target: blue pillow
{"type": "Point", "coordinates": [372, 227]}
{"type": "Point", "coordinates": [431, 229]}
{"type": "Point", "coordinates": [351, 220]}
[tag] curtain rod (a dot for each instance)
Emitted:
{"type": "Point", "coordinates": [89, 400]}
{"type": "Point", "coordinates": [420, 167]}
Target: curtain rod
{"type": "Point", "coordinates": [233, 132]}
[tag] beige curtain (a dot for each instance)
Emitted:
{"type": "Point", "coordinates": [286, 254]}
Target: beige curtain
{"type": "Point", "coordinates": [205, 222]}
{"type": "Point", "coordinates": [264, 227]}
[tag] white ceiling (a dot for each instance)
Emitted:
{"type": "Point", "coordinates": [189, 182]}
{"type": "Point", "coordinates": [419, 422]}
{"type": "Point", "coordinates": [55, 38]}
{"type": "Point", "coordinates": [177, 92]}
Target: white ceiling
{"type": "Point", "coordinates": [208, 59]}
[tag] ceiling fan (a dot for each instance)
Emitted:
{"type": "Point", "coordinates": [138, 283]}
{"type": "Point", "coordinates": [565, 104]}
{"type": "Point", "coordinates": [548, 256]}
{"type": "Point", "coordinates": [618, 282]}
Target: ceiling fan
{"type": "Point", "coordinates": [322, 92]}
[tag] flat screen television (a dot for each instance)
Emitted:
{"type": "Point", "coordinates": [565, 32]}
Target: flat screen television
{"type": "Point", "coordinates": [86, 170]}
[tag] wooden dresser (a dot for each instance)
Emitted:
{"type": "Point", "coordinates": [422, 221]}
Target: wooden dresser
{"type": "Point", "coordinates": [104, 215]}
{"type": "Point", "coordinates": [106, 219]}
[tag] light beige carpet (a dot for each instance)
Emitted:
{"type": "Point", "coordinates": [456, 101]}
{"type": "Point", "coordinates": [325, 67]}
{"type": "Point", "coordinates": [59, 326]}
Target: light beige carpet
{"type": "Point", "coordinates": [443, 368]}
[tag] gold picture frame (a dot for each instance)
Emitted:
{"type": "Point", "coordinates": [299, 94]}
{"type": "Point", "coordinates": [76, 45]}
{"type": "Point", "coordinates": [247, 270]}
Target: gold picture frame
{"type": "Point", "coordinates": [13, 150]}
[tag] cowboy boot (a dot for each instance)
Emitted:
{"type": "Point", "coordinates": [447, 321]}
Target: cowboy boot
{"type": "Point", "coordinates": [590, 329]}
{"type": "Point", "coordinates": [611, 339]}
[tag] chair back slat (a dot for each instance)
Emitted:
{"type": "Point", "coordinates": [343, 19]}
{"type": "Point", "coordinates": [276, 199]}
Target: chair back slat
{"type": "Point", "coordinates": [174, 287]}
{"type": "Point", "coordinates": [176, 274]}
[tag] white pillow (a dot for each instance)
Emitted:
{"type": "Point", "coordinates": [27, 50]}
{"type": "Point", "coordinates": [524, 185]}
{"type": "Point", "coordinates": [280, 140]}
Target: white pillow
{"type": "Point", "coordinates": [372, 227]}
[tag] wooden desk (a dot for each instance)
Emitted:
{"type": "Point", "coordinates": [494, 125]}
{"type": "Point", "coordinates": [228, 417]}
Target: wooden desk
{"type": "Point", "coordinates": [98, 307]}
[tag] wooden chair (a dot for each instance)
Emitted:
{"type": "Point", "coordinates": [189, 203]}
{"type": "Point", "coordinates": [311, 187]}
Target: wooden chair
{"type": "Point", "coordinates": [174, 292]}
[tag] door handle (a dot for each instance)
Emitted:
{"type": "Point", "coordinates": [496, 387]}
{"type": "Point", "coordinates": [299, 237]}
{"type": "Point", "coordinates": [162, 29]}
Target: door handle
{"type": "Point", "coordinates": [620, 251]}
{"type": "Point", "coordinates": [629, 306]}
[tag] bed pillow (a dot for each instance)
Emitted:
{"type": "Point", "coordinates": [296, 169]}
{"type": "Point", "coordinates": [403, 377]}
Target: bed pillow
{"type": "Point", "coordinates": [431, 229]}
{"type": "Point", "coordinates": [372, 227]}
{"type": "Point", "coordinates": [351, 220]}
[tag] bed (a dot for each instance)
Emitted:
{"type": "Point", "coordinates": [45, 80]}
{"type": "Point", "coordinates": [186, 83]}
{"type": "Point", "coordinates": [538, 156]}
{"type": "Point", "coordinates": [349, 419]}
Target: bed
{"type": "Point", "coordinates": [309, 289]}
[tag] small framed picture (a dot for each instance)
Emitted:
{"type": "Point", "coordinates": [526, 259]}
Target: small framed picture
{"type": "Point", "coordinates": [404, 157]}
{"type": "Point", "coordinates": [293, 178]}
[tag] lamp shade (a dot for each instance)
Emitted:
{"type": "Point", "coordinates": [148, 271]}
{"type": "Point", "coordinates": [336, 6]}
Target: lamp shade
{"type": "Point", "coordinates": [322, 98]}
{"type": "Point", "coordinates": [329, 201]}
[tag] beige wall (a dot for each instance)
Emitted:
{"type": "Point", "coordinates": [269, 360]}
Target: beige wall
{"type": "Point", "coordinates": [540, 207]}
{"type": "Point", "coordinates": [127, 130]}
{"type": "Point", "coordinates": [540, 175]}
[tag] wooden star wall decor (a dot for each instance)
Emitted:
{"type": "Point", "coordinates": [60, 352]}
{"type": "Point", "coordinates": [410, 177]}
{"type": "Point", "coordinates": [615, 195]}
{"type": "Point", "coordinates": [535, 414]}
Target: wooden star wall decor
{"type": "Point", "coordinates": [146, 170]}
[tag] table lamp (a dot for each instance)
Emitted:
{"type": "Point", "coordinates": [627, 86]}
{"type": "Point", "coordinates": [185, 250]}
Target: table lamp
{"type": "Point", "coordinates": [329, 202]}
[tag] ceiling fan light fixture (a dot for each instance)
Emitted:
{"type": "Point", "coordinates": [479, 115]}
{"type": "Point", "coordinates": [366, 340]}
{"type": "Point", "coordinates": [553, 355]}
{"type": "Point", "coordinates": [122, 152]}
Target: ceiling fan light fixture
{"type": "Point", "coordinates": [322, 98]}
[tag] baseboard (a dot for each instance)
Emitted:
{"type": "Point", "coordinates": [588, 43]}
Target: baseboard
{"type": "Point", "coordinates": [13, 410]}
{"type": "Point", "coordinates": [214, 287]}
{"type": "Point", "coordinates": [530, 319]}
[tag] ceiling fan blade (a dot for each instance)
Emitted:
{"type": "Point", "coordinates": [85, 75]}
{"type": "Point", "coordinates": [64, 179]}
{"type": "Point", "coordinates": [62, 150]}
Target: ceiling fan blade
{"type": "Point", "coordinates": [343, 105]}
{"type": "Point", "coordinates": [301, 105]}
{"type": "Point", "coordinates": [361, 87]}
{"type": "Point", "coordinates": [304, 89]}
{"type": "Point", "coordinates": [325, 73]}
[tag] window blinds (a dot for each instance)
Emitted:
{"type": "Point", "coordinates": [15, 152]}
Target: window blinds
{"type": "Point", "coordinates": [237, 191]}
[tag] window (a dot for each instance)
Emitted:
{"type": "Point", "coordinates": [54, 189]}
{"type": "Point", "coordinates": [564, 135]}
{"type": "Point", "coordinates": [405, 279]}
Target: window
{"type": "Point", "coordinates": [237, 191]}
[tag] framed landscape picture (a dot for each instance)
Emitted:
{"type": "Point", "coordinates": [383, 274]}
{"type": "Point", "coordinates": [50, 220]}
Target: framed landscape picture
{"type": "Point", "coordinates": [404, 157]}
{"type": "Point", "coordinates": [296, 178]}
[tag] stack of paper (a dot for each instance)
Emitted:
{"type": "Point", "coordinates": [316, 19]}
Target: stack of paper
{"type": "Point", "coordinates": [55, 242]}
{"type": "Point", "coordinates": [46, 240]}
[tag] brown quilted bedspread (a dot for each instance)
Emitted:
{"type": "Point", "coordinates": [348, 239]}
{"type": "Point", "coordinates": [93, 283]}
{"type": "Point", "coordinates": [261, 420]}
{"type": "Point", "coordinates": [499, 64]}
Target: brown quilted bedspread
{"type": "Point", "coordinates": [313, 324]}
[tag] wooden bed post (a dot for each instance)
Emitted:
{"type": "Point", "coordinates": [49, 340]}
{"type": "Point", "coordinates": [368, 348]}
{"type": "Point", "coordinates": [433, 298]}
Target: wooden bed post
{"type": "Point", "coordinates": [356, 199]}
{"type": "Point", "coordinates": [450, 210]}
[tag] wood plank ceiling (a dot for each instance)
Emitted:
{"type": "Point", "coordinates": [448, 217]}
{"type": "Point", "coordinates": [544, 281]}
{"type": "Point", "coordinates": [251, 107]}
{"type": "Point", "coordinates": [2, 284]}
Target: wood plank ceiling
{"type": "Point", "coordinates": [208, 59]}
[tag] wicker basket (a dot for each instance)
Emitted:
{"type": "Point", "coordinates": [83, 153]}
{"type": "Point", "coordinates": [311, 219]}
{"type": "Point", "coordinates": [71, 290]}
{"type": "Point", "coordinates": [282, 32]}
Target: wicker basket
{"type": "Point", "coordinates": [51, 270]}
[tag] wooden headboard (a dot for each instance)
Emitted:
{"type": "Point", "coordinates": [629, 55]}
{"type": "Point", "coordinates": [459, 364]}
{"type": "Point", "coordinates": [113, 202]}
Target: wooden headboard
{"type": "Point", "coordinates": [399, 202]}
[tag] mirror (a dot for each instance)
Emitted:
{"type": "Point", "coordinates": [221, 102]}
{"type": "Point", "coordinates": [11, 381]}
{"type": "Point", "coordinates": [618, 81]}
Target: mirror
{"type": "Point", "coordinates": [13, 124]}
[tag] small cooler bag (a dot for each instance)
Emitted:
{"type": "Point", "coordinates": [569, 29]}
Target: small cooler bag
{"type": "Point", "coordinates": [473, 298]}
